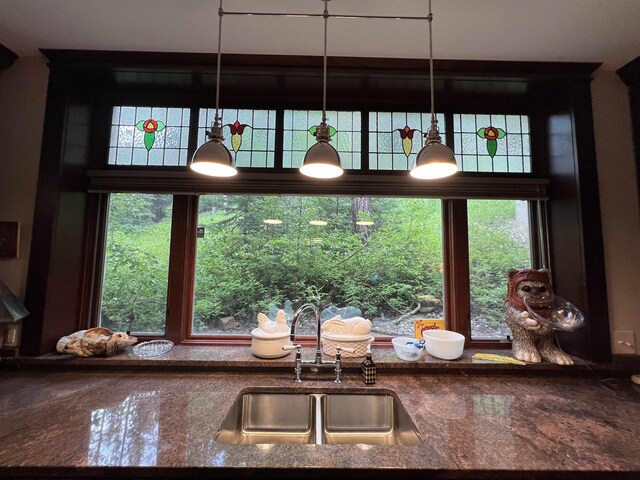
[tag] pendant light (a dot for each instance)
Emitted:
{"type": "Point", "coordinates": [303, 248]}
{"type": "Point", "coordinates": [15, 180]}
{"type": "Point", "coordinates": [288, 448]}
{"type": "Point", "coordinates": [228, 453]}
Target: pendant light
{"type": "Point", "coordinates": [435, 160]}
{"type": "Point", "coordinates": [322, 160]}
{"type": "Point", "coordinates": [213, 158]}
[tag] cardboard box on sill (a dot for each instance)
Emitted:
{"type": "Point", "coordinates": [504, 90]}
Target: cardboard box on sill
{"type": "Point", "coordinates": [421, 324]}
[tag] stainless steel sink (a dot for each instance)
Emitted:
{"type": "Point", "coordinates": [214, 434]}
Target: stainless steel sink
{"type": "Point", "coordinates": [270, 418]}
{"type": "Point", "coordinates": [372, 418]}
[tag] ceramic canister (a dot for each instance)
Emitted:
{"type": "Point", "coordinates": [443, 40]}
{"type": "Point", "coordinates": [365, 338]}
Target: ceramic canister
{"type": "Point", "coordinates": [269, 345]}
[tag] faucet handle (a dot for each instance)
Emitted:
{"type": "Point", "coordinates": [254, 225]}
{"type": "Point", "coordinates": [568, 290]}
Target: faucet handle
{"type": "Point", "coordinates": [345, 349]}
{"type": "Point", "coordinates": [291, 347]}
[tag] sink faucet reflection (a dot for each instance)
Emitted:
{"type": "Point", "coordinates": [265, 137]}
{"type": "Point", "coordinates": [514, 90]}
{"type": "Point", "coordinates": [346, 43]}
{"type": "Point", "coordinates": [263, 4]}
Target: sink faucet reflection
{"type": "Point", "coordinates": [318, 362]}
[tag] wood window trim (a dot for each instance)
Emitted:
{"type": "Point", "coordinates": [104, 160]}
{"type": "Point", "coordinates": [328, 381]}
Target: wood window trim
{"type": "Point", "coordinates": [181, 278]}
{"type": "Point", "coordinates": [82, 83]}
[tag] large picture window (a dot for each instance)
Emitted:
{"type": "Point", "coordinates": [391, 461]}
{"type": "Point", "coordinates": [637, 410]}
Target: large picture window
{"type": "Point", "coordinates": [380, 258]}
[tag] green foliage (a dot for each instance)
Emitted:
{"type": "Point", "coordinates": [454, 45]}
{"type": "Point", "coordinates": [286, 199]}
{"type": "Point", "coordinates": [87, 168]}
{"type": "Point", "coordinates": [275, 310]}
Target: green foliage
{"type": "Point", "coordinates": [244, 266]}
{"type": "Point", "coordinates": [136, 265]}
{"type": "Point", "coordinates": [497, 242]}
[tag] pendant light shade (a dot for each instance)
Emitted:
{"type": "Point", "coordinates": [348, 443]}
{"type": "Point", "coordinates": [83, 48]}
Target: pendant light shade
{"type": "Point", "coordinates": [435, 160]}
{"type": "Point", "coordinates": [322, 160]}
{"type": "Point", "coordinates": [213, 158]}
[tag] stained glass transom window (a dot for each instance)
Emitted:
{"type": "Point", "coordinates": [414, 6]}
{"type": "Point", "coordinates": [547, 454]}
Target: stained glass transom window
{"type": "Point", "coordinates": [492, 143]}
{"type": "Point", "coordinates": [149, 136]}
{"type": "Point", "coordinates": [395, 138]}
{"type": "Point", "coordinates": [250, 135]}
{"type": "Point", "coordinates": [346, 136]}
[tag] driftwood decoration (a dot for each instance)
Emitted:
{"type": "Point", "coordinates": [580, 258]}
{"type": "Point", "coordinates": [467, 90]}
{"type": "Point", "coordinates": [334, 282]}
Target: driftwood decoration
{"type": "Point", "coordinates": [97, 341]}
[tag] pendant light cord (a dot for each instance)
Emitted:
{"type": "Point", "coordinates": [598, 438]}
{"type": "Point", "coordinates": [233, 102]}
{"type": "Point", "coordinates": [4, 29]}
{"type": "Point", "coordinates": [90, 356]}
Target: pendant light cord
{"type": "Point", "coordinates": [220, 15]}
{"type": "Point", "coordinates": [325, 15]}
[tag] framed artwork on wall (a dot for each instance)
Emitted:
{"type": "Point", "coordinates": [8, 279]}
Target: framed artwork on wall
{"type": "Point", "coordinates": [9, 240]}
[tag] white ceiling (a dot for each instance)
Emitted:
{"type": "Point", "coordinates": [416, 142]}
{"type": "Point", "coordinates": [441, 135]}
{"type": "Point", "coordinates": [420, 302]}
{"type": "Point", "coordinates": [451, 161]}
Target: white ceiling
{"type": "Point", "coordinates": [605, 31]}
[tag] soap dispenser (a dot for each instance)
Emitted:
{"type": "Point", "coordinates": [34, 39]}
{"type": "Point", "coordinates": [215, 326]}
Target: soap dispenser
{"type": "Point", "coordinates": [368, 369]}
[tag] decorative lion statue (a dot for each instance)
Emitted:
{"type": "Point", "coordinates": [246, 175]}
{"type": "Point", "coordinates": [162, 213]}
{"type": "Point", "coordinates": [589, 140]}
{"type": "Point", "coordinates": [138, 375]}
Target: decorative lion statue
{"type": "Point", "coordinates": [532, 342]}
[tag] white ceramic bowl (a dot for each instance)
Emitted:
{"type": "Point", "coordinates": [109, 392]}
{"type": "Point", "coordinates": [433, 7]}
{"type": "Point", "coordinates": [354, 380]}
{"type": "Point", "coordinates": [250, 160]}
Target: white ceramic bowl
{"type": "Point", "coordinates": [443, 344]}
{"type": "Point", "coordinates": [269, 345]}
{"type": "Point", "coordinates": [409, 353]}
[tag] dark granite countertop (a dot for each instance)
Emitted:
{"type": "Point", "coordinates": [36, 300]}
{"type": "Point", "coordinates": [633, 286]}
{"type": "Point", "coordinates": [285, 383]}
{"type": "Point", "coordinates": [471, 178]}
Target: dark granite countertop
{"type": "Point", "coordinates": [111, 423]}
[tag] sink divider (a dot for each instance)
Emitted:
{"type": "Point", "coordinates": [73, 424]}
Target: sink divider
{"type": "Point", "coordinates": [318, 417]}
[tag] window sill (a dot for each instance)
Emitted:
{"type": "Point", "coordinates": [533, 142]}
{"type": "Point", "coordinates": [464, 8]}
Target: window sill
{"type": "Point", "coordinates": [239, 359]}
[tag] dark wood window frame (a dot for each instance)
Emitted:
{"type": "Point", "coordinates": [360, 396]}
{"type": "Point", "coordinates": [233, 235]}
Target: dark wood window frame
{"type": "Point", "coordinates": [279, 180]}
{"type": "Point", "coordinates": [73, 182]}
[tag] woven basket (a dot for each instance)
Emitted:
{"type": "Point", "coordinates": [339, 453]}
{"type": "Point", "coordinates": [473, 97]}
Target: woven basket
{"type": "Point", "coordinates": [330, 341]}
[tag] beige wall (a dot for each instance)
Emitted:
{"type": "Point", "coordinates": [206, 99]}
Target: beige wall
{"type": "Point", "coordinates": [22, 103]}
{"type": "Point", "coordinates": [619, 205]}
{"type": "Point", "coordinates": [23, 90]}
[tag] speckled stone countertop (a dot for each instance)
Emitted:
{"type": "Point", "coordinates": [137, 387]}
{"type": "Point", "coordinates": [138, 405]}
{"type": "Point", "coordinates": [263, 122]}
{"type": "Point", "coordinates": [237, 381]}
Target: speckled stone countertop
{"type": "Point", "coordinates": [111, 423]}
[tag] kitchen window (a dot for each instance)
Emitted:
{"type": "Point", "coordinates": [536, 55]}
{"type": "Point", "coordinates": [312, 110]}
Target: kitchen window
{"type": "Point", "coordinates": [136, 264]}
{"type": "Point", "coordinates": [380, 258]}
{"type": "Point", "coordinates": [498, 240]}
{"type": "Point", "coordinates": [545, 157]}
{"type": "Point", "coordinates": [386, 257]}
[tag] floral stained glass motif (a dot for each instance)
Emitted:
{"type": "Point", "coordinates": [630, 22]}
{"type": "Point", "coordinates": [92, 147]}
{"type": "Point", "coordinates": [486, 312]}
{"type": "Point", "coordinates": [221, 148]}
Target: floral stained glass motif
{"type": "Point", "coordinates": [492, 135]}
{"type": "Point", "coordinates": [406, 135]}
{"type": "Point", "coordinates": [332, 131]}
{"type": "Point", "coordinates": [299, 130]}
{"type": "Point", "coordinates": [150, 127]}
{"type": "Point", "coordinates": [492, 143]}
{"type": "Point", "coordinates": [237, 129]}
{"type": "Point", "coordinates": [149, 136]}
{"type": "Point", "coordinates": [249, 134]}
{"type": "Point", "coordinates": [395, 138]}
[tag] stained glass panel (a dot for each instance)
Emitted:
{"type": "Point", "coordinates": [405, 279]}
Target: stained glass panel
{"type": "Point", "coordinates": [346, 136]}
{"type": "Point", "coordinates": [149, 136]}
{"type": "Point", "coordinates": [250, 135]}
{"type": "Point", "coordinates": [492, 143]}
{"type": "Point", "coordinates": [395, 138]}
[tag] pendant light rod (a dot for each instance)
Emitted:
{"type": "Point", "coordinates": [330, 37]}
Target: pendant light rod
{"type": "Point", "coordinates": [431, 81]}
{"type": "Point", "coordinates": [213, 158]}
{"type": "Point", "coordinates": [318, 15]}
{"type": "Point", "coordinates": [220, 15]}
{"type": "Point", "coordinates": [325, 15]}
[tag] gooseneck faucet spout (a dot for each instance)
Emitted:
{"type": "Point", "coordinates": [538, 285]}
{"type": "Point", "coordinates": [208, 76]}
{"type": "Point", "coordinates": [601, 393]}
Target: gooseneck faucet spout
{"type": "Point", "coordinates": [318, 362]}
{"type": "Point", "coordinates": [297, 315]}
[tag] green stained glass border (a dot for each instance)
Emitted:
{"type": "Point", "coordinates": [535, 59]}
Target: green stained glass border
{"type": "Point", "coordinates": [297, 139]}
{"type": "Point", "coordinates": [506, 149]}
{"type": "Point", "coordinates": [131, 145]}
{"type": "Point", "coordinates": [387, 147]}
{"type": "Point", "coordinates": [257, 145]}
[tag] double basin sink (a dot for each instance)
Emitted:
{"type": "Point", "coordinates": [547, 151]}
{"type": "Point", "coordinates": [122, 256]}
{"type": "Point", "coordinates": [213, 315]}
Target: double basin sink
{"type": "Point", "coordinates": [342, 417]}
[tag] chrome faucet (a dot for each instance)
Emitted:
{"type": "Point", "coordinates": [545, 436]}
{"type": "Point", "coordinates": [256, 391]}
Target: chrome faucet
{"type": "Point", "coordinates": [296, 316]}
{"type": "Point", "coordinates": [318, 362]}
